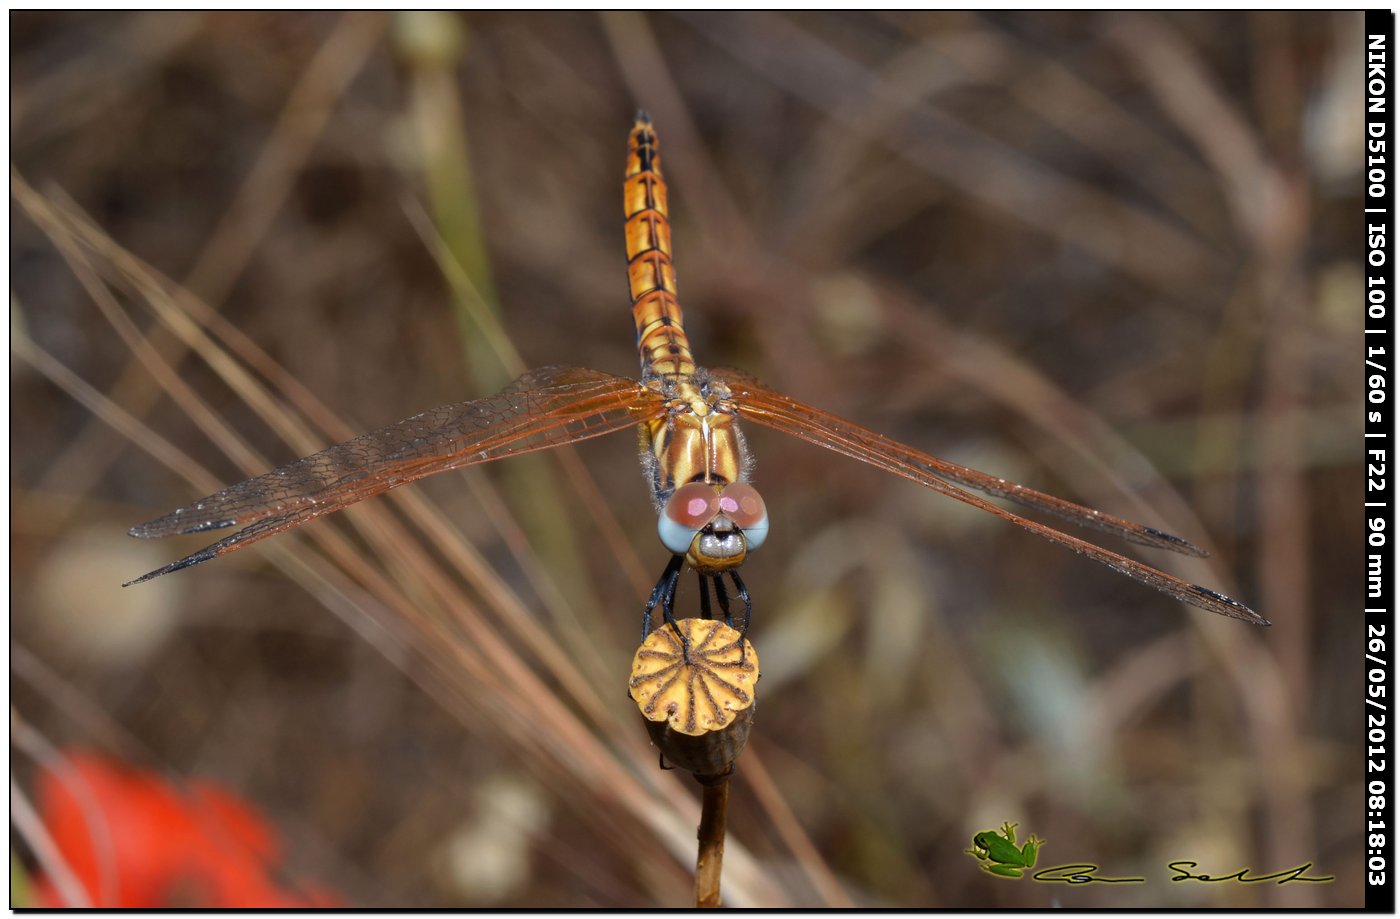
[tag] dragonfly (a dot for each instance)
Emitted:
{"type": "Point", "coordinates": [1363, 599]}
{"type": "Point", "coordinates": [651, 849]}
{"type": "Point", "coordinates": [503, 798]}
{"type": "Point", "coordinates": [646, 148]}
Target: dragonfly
{"type": "Point", "coordinates": [694, 456]}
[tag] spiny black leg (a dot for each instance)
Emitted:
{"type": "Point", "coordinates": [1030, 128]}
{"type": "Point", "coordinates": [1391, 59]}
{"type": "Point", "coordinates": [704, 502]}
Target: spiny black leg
{"type": "Point", "coordinates": [665, 590]}
{"type": "Point", "coordinates": [748, 610]}
{"type": "Point", "coordinates": [743, 595]}
{"type": "Point", "coordinates": [704, 598]}
{"type": "Point", "coordinates": [668, 605]}
{"type": "Point", "coordinates": [723, 597]}
{"type": "Point", "coordinates": [668, 609]}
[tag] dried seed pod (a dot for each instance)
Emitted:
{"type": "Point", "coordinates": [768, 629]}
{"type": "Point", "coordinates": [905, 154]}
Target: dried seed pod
{"type": "Point", "coordinates": [698, 711]}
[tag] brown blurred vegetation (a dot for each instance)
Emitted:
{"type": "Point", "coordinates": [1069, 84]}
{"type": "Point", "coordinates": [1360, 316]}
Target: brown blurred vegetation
{"type": "Point", "coordinates": [1113, 257]}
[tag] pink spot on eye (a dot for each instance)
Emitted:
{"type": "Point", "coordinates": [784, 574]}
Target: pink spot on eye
{"type": "Point", "coordinates": [692, 505]}
{"type": "Point", "coordinates": [743, 504]}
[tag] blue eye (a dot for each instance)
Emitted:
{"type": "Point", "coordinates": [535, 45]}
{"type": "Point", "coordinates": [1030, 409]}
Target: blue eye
{"type": "Point", "coordinates": [755, 534]}
{"type": "Point", "coordinates": [675, 536]}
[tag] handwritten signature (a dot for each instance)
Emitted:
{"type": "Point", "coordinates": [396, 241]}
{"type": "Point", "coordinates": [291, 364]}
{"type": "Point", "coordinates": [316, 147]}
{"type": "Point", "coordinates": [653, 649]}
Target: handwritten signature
{"type": "Point", "coordinates": [1086, 873]}
{"type": "Point", "coordinates": [1244, 877]}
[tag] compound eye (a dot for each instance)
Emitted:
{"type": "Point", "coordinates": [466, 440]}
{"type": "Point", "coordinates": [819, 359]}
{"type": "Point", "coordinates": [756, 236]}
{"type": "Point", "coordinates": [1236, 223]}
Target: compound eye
{"type": "Point", "coordinates": [693, 505]}
{"type": "Point", "coordinates": [742, 503]}
{"type": "Point", "coordinates": [687, 511]}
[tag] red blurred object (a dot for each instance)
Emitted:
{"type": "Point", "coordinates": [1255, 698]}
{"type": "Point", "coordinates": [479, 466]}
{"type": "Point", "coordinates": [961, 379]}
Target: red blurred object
{"type": "Point", "coordinates": [136, 840]}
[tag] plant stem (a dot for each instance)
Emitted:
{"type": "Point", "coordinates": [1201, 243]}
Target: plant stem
{"type": "Point", "coordinates": [709, 860]}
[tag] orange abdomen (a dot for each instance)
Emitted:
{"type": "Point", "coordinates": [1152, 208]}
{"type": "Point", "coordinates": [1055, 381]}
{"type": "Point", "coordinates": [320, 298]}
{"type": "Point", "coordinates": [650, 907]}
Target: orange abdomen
{"type": "Point", "coordinates": [651, 276]}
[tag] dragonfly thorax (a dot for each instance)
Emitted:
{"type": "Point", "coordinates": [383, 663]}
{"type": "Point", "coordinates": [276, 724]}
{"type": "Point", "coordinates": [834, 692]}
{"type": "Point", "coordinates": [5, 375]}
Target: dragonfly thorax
{"type": "Point", "coordinates": [696, 440]}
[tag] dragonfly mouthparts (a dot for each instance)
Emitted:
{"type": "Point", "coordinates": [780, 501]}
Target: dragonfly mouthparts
{"type": "Point", "coordinates": [718, 546]}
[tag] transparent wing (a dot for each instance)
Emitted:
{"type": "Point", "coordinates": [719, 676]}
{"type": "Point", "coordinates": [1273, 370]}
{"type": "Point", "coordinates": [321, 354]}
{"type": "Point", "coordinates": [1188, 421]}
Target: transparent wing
{"type": "Point", "coordinates": [549, 407]}
{"type": "Point", "coordinates": [760, 404]}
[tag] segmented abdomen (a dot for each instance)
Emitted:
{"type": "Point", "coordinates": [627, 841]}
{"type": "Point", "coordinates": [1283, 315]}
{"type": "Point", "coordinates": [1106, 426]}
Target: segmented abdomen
{"type": "Point", "coordinates": [651, 277]}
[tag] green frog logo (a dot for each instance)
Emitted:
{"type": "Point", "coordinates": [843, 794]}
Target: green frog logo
{"type": "Point", "coordinates": [999, 855]}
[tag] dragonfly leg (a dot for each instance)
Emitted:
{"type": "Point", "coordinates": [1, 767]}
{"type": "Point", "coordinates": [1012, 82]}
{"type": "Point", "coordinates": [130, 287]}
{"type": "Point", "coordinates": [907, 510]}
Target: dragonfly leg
{"type": "Point", "coordinates": [705, 612]}
{"type": "Point", "coordinates": [664, 593]}
{"type": "Point", "coordinates": [748, 609]}
{"type": "Point", "coordinates": [723, 596]}
{"type": "Point", "coordinates": [668, 612]}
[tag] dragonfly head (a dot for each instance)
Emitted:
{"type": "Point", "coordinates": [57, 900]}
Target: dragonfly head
{"type": "Point", "coordinates": [713, 526]}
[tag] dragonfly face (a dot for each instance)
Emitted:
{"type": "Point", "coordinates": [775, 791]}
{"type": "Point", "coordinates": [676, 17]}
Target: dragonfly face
{"type": "Point", "coordinates": [710, 516]}
{"type": "Point", "coordinates": [714, 526]}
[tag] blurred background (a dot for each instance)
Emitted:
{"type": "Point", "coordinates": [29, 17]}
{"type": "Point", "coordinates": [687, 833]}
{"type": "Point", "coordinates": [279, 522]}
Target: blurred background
{"type": "Point", "coordinates": [1111, 257]}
